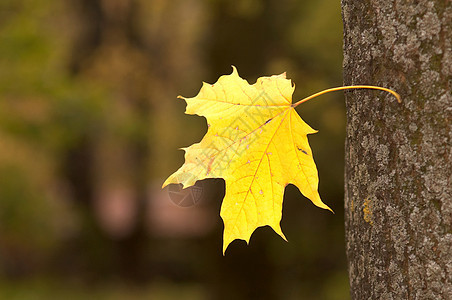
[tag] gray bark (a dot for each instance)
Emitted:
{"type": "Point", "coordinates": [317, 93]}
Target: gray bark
{"type": "Point", "coordinates": [398, 198]}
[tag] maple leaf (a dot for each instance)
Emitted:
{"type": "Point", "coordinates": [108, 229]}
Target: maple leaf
{"type": "Point", "coordinates": [258, 144]}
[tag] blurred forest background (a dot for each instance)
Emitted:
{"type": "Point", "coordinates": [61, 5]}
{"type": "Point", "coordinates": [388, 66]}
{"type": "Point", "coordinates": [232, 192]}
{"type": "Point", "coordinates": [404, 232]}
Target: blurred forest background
{"type": "Point", "coordinates": [89, 130]}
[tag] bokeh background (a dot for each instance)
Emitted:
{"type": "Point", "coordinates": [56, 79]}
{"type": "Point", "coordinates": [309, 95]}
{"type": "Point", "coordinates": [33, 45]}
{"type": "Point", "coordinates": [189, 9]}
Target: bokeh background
{"type": "Point", "coordinates": [89, 130]}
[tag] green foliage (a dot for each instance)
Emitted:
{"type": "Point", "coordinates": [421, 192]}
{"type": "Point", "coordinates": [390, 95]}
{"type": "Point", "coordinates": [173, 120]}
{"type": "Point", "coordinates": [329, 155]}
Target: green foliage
{"type": "Point", "coordinates": [76, 76]}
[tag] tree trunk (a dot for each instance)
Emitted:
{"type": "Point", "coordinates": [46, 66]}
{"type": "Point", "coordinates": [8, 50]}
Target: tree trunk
{"type": "Point", "coordinates": [398, 201]}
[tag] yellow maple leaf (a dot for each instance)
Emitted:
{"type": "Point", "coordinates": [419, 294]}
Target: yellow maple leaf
{"type": "Point", "coordinates": [258, 144]}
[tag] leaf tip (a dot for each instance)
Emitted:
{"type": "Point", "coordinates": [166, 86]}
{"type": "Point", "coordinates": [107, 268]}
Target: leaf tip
{"type": "Point", "coordinates": [278, 230]}
{"type": "Point", "coordinates": [324, 206]}
{"type": "Point", "coordinates": [234, 70]}
{"type": "Point", "coordinates": [317, 202]}
{"type": "Point", "coordinates": [166, 182]}
{"type": "Point", "coordinates": [225, 246]}
{"type": "Point", "coordinates": [284, 238]}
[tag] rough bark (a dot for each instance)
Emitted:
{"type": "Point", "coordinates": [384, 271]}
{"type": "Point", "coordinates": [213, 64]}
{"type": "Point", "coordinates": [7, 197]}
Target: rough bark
{"type": "Point", "coordinates": [398, 198]}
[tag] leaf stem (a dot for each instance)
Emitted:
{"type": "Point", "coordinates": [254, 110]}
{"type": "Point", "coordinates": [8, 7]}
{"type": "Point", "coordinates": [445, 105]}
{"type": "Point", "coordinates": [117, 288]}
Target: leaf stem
{"type": "Point", "coordinates": [399, 99]}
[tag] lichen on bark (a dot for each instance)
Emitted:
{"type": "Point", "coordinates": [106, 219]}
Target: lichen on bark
{"type": "Point", "coordinates": [398, 156]}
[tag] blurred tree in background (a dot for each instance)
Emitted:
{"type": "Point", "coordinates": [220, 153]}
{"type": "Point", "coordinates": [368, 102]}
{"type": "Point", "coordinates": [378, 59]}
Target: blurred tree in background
{"type": "Point", "coordinates": [89, 127]}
